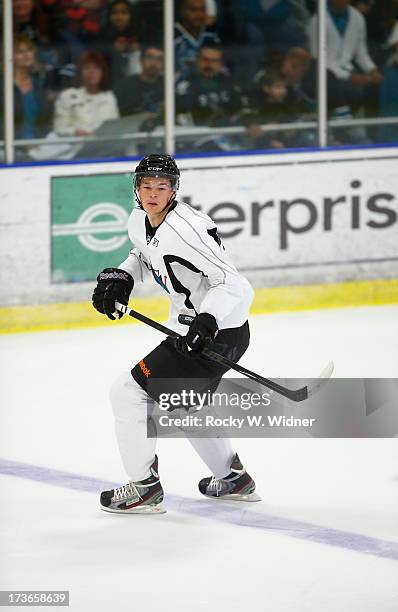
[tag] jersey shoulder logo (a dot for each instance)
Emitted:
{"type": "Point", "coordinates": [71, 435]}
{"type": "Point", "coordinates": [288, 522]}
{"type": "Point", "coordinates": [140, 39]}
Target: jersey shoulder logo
{"type": "Point", "coordinates": [214, 234]}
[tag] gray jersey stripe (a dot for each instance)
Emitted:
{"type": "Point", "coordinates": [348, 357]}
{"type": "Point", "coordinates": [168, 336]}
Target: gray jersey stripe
{"type": "Point", "coordinates": [139, 263]}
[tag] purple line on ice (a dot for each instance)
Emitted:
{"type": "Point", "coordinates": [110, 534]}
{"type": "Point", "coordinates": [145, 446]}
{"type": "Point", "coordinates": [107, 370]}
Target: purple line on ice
{"type": "Point", "coordinates": [220, 511]}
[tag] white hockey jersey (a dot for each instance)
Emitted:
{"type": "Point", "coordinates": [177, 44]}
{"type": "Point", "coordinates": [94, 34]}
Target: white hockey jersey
{"type": "Point", "coordinates": [186, 257]}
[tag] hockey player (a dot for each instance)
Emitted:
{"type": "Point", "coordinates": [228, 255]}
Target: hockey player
{"type": "Point", "coordinates": [178, 247]}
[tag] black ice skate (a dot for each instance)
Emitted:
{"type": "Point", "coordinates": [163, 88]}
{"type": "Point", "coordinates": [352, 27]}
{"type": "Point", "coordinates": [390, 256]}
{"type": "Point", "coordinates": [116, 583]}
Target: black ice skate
{"type": "Point", "coordinates": [237, 486]}
{"type": "Point", "coordinates": [142, 497]}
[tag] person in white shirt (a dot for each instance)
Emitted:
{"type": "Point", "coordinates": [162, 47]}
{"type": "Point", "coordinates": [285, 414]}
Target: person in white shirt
{"type": "Point", "coordinates": [79, 111]}
{"type": "Point", "coordinates": [179, 248]}
{"type": "Point", "coordinates": [353, 77]}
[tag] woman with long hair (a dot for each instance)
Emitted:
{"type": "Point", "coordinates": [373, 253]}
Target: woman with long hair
{"type": "Point", "coordinates": [79, 111]}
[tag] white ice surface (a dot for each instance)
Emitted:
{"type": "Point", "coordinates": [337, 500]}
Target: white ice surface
{"type": "Point", "coordinates": [55, 414]}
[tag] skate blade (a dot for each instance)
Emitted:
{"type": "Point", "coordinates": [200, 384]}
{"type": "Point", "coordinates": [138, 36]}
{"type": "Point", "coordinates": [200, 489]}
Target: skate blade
{"type": "Point", "coordinates": [235, 497]}
{"type": "Point", "coordinates": [159, 509]}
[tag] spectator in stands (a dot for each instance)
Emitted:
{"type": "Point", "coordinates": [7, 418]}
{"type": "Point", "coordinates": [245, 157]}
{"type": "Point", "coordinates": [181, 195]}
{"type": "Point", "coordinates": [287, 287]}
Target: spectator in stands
{"type": "Point", "coordinates": [210, 97]}
{"type": "Point", "coordinates": [30, 19]}
{"type": "Point", "coordinates": [275, 20]}
{"type": "Point", "coordinates": [74, 28]}
{"type": "Point", "coordinates": [294, 65]}
{"type": "Point", "coordinates": [121, 41]}
{"type": "Point", "coordinates": [382, 25]}
{"type": "Point", "coordinates": [191, 33]}
{"type": "Point", "coordinates": [143, 92]}
{"type": "Point", "coordinates": [383, 19]}
{"type": "Point", "coordinates": [347, 49]}
{"type": "Point", "coordinates": [275, 101]}
{"type": "Point", "coordinates": [32, 109]}
{"type": "Point", "coordinates": [76, 25]}
{"type": "Point", "coordinates": [149, 19]}
{"type": "Point", "coordinates": [242, 41]}
{"type": "Point", "coordinates": [80, 111]}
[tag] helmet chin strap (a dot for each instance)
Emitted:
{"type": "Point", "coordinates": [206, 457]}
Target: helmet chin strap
{"type": "Point", "coordinates": [137, 197]}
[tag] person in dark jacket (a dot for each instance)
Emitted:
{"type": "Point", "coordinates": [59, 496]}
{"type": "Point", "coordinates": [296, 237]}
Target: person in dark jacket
{"type": "Point", "coordinates": [210, 95]}
{"type": "Point", "coordinates": [191, 33]}
{"type": "Point", "coordinates": [121, 41]}
{"type": "Point", "coordinates": [143, 92]}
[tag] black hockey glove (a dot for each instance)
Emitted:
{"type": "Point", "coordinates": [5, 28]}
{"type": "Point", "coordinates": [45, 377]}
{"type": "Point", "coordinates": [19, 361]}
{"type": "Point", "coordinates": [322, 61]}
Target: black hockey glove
{"type": "Point", "coordinates": [113, 285]}
{"type": "Point", "coordinates": [201, 333]}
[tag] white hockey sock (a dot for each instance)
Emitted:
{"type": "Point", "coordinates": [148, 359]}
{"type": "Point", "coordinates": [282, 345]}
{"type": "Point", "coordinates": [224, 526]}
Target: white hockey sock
{"type": "Point", "coordinates": [217, 454]}
{"type": "Point", "coordinates": [129, 402]}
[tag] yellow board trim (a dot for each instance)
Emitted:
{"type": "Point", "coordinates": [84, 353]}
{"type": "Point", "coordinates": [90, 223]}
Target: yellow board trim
{"type": "Point", "coordinates": [274, 299]}
{"type": "Point", "coordinates": [334, 295]}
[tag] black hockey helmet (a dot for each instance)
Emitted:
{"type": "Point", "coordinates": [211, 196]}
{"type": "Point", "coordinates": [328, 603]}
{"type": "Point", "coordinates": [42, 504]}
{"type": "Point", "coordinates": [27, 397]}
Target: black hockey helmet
{"type": "Point", "coordinates": [158, 166]}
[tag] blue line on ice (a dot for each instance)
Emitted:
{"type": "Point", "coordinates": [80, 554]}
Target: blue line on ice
{"type": "Point", "coordinates": [224, 512]}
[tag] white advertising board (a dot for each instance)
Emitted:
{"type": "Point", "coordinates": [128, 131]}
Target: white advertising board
{"type": "Point", "coordinates": [296, 218]}
{"type": "Point", "coordinates": [276, 217]}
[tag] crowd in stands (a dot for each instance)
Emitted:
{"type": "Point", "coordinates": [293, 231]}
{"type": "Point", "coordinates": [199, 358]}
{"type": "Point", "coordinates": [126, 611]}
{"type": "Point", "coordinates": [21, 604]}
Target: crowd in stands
{"type": "Point", "coordinates": [79, 64]}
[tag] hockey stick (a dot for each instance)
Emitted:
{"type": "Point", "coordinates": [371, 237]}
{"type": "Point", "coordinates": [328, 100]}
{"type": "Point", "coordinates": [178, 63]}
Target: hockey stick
{"type": "Point", "coordinates": [296, 395]}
